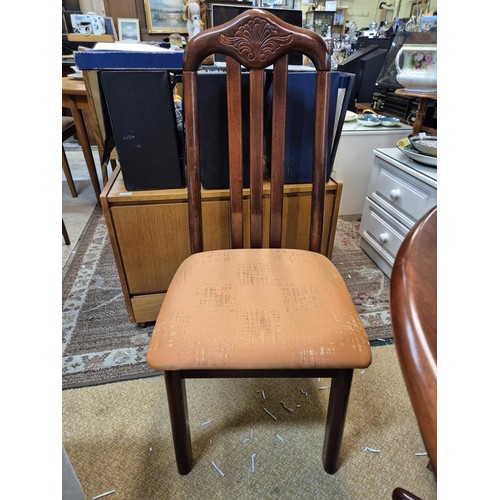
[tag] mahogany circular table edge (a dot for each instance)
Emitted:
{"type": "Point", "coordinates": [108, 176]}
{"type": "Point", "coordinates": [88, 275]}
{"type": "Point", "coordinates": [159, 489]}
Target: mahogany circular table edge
{"type": "Point", "coordinates": [413, 304]}
{"type": "Point", "coordinates": [409, 93]}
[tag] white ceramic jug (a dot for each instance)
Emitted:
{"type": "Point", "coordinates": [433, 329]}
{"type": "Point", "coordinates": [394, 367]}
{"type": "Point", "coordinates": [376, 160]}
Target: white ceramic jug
{"type": "Point", "coordinates": [419, 71]}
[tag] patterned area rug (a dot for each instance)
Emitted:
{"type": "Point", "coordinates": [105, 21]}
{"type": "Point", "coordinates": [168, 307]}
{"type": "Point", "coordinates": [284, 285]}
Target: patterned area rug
{"type": "Point", "coordinates": [100, 345]}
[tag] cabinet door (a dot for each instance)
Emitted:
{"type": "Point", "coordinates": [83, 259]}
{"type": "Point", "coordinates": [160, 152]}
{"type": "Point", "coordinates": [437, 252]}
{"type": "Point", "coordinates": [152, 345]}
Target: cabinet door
{"type": "Point", "coordinates": [154, 240]}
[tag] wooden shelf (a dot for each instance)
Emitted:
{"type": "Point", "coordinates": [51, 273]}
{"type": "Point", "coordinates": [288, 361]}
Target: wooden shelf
{"type": "Point", "coordinates": [73, 37]}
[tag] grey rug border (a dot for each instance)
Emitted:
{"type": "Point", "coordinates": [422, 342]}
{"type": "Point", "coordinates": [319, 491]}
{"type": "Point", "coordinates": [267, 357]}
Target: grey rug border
{"type": "Point", "coordinates": [113, 380]}
{"type": "Point", "coordinates": [72, 266]}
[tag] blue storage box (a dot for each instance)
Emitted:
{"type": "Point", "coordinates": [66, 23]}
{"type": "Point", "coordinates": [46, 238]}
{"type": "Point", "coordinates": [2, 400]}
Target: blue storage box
{"type": "Point", "coordinates": [300, 121]}
{"type": "Point", "coordinates": [124, 59]}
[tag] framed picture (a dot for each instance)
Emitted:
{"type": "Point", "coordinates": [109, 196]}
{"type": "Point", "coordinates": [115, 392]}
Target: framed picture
{"type": "Point", "coordinates": [128, 30]}
{"type": "Point", "coordinates": [165, 16]}
{"type": "Point", "coordinates": [110, 27]}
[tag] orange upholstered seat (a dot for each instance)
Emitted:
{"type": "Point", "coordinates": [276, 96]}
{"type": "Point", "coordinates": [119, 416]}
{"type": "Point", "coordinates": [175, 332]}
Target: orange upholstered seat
{"type": "Point", "coordinates": [258, 309]}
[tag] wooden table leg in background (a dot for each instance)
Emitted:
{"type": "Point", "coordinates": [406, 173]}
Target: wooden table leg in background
{"type": "Point", "coordinates": [419, 119]}
{"type": "Point", "coordinates": [83, 138]}
{"type": "Point", "coordinates": [423, 102]}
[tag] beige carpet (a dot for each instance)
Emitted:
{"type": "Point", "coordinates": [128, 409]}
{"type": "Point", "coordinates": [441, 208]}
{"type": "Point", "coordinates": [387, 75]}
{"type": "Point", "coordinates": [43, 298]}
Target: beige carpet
{"type": "Point", "coordinates": [118, 438]}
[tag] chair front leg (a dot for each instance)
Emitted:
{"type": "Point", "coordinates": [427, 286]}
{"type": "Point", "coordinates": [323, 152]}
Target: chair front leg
{"type": "Point", "coordinates": [177, 405]}
{"type": "Point", "coordinates": [335, 419]}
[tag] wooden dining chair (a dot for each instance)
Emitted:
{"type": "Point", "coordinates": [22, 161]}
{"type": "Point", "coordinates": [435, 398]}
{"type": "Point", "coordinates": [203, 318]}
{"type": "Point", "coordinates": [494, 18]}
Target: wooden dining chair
{"type": "Point", "coordinates": [257, 312]}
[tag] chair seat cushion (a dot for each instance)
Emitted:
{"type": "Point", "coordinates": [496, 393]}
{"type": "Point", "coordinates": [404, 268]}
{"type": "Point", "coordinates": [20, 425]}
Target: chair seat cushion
{"type": "Point", "coordinates": [258, 309]}
{"type": "Point", "coordinates": [67, 121]}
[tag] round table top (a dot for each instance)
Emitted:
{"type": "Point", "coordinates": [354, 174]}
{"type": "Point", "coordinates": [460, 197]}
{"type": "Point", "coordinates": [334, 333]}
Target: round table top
{"type": "Point", "coordinates": [414, 320]}
{"type": "Point", "coordinates": [427, 95]}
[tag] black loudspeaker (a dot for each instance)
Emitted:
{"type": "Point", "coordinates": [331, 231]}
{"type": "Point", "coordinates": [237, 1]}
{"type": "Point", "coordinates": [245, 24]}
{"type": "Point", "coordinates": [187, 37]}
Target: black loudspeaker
{"type": "Point", "coordinates": [213, 129]}
{"type": "Point", "coordinates": [141, 110]}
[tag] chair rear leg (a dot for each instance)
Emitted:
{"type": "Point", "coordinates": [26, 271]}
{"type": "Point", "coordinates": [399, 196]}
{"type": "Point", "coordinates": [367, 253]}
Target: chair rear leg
{"type": "Point", "coordinates": [65, 234]}
{"type": "Point", "coordinates": [104, 173]}
{"type": "Point", "coordinates": [67, 174]}
{"type": "Point", "coordinates": [335, 419]}
{"type": "Point", "coordinates": [177, 405]}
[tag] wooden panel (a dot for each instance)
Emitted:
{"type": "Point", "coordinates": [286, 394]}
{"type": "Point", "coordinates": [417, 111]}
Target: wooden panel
{"type": "Point", "coordinates": [116, 195]}
{"type": "Point", "coordinates": [147, 307]}
{"type": "Point", "coordinates": [153, 243]}
{"type": "Point", "coordinates": [121, 8]}
{"type": "Point", "coordinates": [73, 37]}
{"type": "Point", "coordinates": [154, 240]}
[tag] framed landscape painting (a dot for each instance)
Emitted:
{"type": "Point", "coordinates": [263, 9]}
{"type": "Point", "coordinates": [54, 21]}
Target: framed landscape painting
{"type": "Point", "coordinates": [128, 30]}
{"type": "Point", "coordinates": [165, 16]}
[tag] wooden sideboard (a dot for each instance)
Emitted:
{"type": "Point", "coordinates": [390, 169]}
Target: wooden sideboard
{"type": "Point", "coordinates": [149, 233]}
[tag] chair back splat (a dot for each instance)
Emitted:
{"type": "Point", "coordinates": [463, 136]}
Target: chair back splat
{"type": "Point", "coordinates": [256, 39]}
{"type": "Point", "coordinates": [257, 312]}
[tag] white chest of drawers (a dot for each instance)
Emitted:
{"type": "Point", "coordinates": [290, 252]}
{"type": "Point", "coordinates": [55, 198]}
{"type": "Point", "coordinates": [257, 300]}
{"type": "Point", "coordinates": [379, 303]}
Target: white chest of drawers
{"type": "Point", "coordinates": [353, 161]}
{"type": "Point", "coordinates": [400, 191]}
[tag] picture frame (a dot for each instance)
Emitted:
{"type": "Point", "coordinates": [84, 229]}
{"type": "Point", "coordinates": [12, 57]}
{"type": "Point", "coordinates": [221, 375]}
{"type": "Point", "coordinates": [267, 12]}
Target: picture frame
{"type": "Point", "coordinates": [128, 30]}
{"type": "Point", "coordinates": [165, 16]}
{"type": "Point", "coordinates": [110, 27]}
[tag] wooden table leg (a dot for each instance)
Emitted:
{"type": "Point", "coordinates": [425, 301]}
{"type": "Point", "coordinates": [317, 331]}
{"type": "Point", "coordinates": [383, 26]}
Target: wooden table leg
{"type": "Point", "coordinates": [419, 120]}
{"type": "Point", "coordinates": [83, 138]}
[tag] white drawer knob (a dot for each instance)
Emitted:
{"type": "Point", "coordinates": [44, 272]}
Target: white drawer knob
{"type": "Point", "coordinates": [383, 237]}
{"type": "Point", "coordinates": [395, 194]}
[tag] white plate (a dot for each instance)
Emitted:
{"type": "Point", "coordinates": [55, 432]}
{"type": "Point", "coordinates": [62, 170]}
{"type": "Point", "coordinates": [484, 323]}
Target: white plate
{"type": "Point", "coordinates": [350, 116]}
{"type": "Point", "coordinates": [368, 123]}
{"type": "Point", "coordinates": [426, 160]}
{"type": "Point", "coordinates": [76, 76]}
{"type": "Point", "coordinates": [389, 123]}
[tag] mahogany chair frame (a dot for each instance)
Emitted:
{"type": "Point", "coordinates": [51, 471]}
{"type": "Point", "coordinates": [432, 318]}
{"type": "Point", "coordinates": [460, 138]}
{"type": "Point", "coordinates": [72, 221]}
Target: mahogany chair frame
{"type": "Point", "coordinates": [256, 39]}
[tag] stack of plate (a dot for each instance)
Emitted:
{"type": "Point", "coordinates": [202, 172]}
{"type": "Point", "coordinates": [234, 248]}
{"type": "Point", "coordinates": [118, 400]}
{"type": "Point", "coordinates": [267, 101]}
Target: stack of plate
{"type": "Point", "coordinates": [421, 148]}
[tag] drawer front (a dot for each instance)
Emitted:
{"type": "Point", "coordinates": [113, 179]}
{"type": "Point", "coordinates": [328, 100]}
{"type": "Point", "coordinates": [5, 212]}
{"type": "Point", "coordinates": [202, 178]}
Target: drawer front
{"type": "Point", "coordinates": [382, 231]}
{"type": "Point", "coordinates": [403, 196]}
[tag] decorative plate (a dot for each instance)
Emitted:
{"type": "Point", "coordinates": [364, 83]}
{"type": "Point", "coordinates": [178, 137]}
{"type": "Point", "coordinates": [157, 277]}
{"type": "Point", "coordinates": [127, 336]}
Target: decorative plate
{"type": "Point", "coordinates": [388, 121]}
{"type": "Point", "coordinates": [408, 150]}
{"type": "Point", "coordinates": [368, 121]}
{"type": "Point", "coordinates": [426, 144]}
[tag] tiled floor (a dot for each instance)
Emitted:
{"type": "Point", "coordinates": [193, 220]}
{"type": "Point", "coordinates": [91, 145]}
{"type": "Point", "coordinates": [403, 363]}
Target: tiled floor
{"type": "Point", "coordinates": [77, 211]}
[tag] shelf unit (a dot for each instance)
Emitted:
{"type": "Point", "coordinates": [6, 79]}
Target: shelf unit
{"type": "Point", "coordinates": [319, 20]}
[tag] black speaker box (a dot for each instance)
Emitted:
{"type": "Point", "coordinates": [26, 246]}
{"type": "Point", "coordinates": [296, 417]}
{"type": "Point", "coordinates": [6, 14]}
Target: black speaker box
{"type": "Point", "coordinates": [141, 110]}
